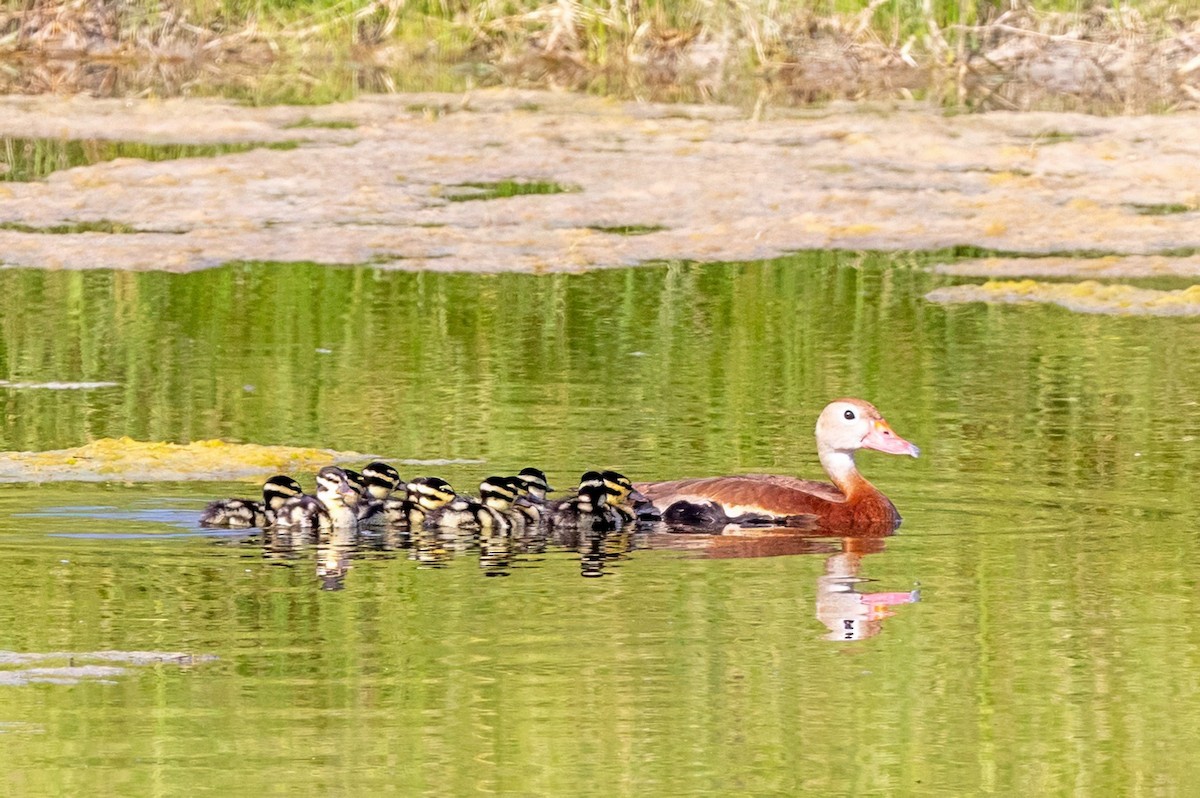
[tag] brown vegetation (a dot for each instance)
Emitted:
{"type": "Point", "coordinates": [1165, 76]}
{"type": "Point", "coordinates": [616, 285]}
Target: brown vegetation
{"type": "Point", "coordinates": [1115, 59]}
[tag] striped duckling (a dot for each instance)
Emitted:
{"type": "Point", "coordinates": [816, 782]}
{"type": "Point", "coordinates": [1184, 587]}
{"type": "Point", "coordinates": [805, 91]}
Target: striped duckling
{"type": "Point", "coordinates": [527, 509]}
{"type": "Point", "coordinates": [488, 514]}
{"type": "Point", "coordinates": [622, 496]}
{"type": "Point", "coordinates": [380, 481]}
{"type": "Point", "coordinates": [588, 508]}
{"type": "Point", "coordinates": [536, 486]}
{"type": "Point", "coordinates": [332, 507]}
{"type": "Point", "coordinates": [425, 496]}
{"type": "Point", "coordinates": [246, 513]}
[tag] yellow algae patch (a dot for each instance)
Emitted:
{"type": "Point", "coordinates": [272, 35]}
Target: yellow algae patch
{"type": "Point", "coordinates": [125, 459]}
{"type": "Point", "coordinates": [1085, 297]}
{"type": "Point", "coordinates": [1109, 266]}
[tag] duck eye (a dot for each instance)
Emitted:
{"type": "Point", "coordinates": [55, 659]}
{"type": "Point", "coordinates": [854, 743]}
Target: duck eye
{"type": "Point", "coordinates": [848, 415]}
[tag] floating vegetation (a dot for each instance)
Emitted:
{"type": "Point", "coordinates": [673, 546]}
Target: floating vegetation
{"type": "Point", "coordinates": [1160, 208]}
{"type": "Point", "coordinates": [152, 461]}
{"type": "Point", "coordinates": [1111, 267]}
{"type": "Point", "coordinates": [56, 385]}
{"type": "Point", "coordinates": [327, 124]}
{"type": "Point", "coordinates": [1085, 297]}
{"type": "Point", "coordinates": [629, 229]}
{"type": "Point", "coordinates": [100, 226]}
{"type": "Point", "coordinates": [507, 188]}
{"type": "Point", "coordinates": [22, 160]}
{"type": "Point", "coordinates": [67, 668]}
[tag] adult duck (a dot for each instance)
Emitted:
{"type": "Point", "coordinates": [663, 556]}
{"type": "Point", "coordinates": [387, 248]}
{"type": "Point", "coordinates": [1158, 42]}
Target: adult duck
{"type": "Point", "coordinates": [851, 502]}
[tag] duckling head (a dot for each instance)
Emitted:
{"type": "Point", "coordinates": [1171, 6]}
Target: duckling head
{"type": "Point", "coordinates": [333, 487]}
{"type": "Point", "coordinates": [381, 479]}
{"type": "Point", "coordinates": [535, 483]}
{"type": "Point", "coordinates": [620, 489]}
{"type": "Point", "coordinates": [592, 497]}
{"type": "Point", "coordinates": [279, 489]}
{"type": "Point", "coordinates": [431, 492]}
{"type": "Point", "coordinates": [499, 493]}
{"type": "Point", "coordinates": [357, 484]}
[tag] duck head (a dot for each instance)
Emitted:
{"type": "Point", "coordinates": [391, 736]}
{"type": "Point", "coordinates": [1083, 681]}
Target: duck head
{"type": "Point", "coordinates": [620, 489]}
{"type": "Point", "coordinates": [498, 493]}
{"type": "Point", "coordinates": [333, 487]}
{"type": "Point", "coordinates": [847, 425]}
{"type": "Point", "coordinates": [593, 492]}
{"type": "Point", "coordinates": [535, 482]}
{"type": "Point", "coordinates": [381, 479]}
{"type": "Point", "coordinates": [279, 489]}
{"type": "Point", "coordinates": [357, 483]}
{"type": "Point", "coordinates": [430, 493]}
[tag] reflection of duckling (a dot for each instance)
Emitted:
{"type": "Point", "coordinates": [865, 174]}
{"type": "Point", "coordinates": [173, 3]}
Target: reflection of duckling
{"type": "Point", "coordinates": [333, 558]}
{"type": "Point", "coordinates": [244, 513]}
{"type": "Point", "coordinates": [330, 508]}
{"type": "Point", "coordinates": [622, 496]}
{"type": "Point", "coordinates": [588, 509]}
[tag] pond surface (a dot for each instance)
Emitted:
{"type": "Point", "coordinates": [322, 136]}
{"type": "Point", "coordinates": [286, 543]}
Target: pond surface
{"type": "Point", "coordinates": [1029, 630]}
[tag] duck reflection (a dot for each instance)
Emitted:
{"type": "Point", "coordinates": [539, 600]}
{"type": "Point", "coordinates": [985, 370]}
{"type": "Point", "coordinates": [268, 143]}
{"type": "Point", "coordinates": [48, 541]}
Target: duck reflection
{"type": "Point", "coordinates": [284, 545]}
{"type": "Point", "coordinates": [334, 551]}
{"type": "Point", "coordinates": [842, 605]}
{"type": "Point", "coordinates": [847, 612]}
{"type": "Point", "coordinates": [496, 552]}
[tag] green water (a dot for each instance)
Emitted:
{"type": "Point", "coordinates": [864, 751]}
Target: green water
{"type": "Point", "coordinates": [1050, 529]}
{"type": "Point", "coordinates": [33, 159]}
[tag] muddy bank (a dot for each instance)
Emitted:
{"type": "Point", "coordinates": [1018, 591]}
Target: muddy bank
{"type": "Point", "coordinates": [701, 183]}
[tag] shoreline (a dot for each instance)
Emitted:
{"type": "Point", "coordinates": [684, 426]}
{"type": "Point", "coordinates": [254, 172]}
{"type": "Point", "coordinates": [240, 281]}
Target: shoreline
{"type": "Point", "coordinates": [963, 55]}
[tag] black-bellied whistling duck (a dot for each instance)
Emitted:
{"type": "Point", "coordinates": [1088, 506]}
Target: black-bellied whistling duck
{"type": "Point", "coordinates": [844, 427]}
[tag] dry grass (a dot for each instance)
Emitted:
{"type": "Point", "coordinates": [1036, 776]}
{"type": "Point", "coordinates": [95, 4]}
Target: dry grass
{"type": "Point", "coordinates": [966, 52]}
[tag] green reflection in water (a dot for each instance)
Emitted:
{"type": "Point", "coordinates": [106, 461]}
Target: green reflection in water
{"type": "Point", "coordinates": [1050, 524]}
{"type": "Point", "coordinates": [501, 189]}
{"type": "Point", "coordinates": [33, 159]}
{"type": "Point", "coordinates": [629, 229]}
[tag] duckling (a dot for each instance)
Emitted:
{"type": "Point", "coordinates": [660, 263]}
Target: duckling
{"type": "Point", "coordinates": [499, 496]}
{"type": "Point", "coordinates": [330, 508]}
{"type": "Point", "coordinates": [588, 509]}
{"type": "Point", "coordinates": [244, 513]}
{"type": "Point", "coordinates": [426, 495]}
{"type": "Point", "coordinates": [526, 512]}
{"type": "Point", "coordinates": [486, 515]}
{"type": "Point", "coordinates": [536, 485]}
{"type": "Point", "coordinates": [358, 484]}
{"type": "Point", "coordinates": [380, 480]}
{"type": "Point", "coordinates": [622, 496]}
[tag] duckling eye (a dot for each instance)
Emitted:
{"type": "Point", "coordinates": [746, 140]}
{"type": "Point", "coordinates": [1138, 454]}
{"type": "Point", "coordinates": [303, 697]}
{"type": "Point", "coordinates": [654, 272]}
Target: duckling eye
{"type": "Point", "coordinates": [848, 415]}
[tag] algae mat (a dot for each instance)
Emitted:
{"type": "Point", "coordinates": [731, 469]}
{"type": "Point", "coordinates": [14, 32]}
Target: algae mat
{"type": "Point", "coordinates": [150, 461]}
{"type": "Point", "coordinates": [380, 184]}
